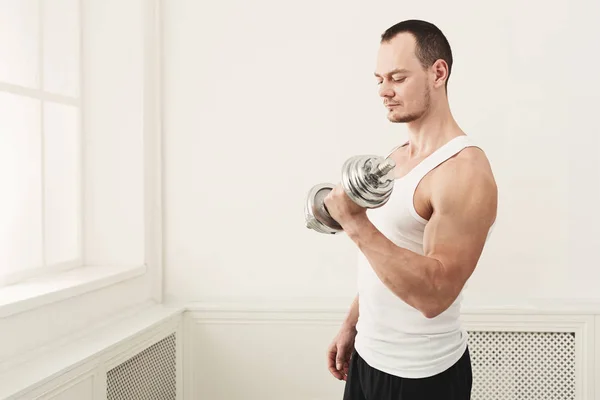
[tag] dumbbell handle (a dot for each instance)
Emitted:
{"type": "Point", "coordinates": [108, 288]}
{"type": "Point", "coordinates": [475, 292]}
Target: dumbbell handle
{"type": "Point", "coordinates": [384, 168]}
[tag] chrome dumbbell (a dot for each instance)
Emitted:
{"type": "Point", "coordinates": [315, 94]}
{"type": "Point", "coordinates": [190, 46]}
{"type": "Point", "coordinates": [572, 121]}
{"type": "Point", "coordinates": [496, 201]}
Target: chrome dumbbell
{"type": "Point", "coordinates": [365, 181]}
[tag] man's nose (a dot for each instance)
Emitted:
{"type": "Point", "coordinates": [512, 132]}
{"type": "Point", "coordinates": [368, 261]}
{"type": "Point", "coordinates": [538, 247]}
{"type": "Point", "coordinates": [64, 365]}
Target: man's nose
{"type": "Point", "coordinates": [385, 90]}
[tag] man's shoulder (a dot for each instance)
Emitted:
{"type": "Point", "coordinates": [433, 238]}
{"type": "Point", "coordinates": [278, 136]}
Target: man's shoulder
{"type": "Point", "coordinates": [470, 163]}
{"type": "Point", "coordinates": [471, 155]}
{"type": "Point", "coordinates": [468, 173]}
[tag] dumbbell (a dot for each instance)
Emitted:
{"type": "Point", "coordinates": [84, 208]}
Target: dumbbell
{"type": "Point", "coordinates": [365, 181]}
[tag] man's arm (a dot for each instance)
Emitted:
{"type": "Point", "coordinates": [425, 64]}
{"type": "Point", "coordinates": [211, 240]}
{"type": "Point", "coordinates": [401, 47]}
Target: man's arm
{"type": "Point", "coordinates": [464, 204]}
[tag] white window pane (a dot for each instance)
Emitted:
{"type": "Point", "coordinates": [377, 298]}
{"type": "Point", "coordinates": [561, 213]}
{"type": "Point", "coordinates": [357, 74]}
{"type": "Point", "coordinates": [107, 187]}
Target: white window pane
{"type": "Point", "coordinates": [61, 46]}
{"type": "Point", "coordinates": [19, 47]}
{"type": "Point", "coordinates": [20, 184]}
{"type": "Point", "coordinates": [62, 182]}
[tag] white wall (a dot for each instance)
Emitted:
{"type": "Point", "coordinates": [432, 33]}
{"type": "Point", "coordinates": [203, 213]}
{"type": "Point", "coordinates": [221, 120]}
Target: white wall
{"type": "Point", "coordinates": [113, 91]}
{"type": "Point", "coordinates": [264, 99]}
{"type": "Point", "coordinates": [259, 355]}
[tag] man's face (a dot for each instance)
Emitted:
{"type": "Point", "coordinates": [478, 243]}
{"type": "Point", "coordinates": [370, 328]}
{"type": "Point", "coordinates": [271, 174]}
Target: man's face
{"type": "Point", "coordinates": [403, 83]}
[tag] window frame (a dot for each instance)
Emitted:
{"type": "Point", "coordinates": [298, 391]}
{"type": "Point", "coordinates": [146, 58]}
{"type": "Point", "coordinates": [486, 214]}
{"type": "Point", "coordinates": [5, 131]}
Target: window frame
{"type": "Point", "coordinates": [47, 285]}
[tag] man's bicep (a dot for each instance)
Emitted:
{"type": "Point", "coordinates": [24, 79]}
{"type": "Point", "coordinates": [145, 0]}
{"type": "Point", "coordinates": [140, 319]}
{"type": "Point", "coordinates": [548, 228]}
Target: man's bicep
{"type": "Point", "coordinates": [458, 228]}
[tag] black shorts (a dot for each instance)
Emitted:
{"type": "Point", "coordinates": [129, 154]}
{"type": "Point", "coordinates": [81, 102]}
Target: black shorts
{"type": "Point", "coordinates": [367, 383]}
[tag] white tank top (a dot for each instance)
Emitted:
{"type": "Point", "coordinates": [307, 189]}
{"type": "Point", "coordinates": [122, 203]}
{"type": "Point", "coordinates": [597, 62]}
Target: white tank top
{"type": "Point", "coordinates": [392, 336]}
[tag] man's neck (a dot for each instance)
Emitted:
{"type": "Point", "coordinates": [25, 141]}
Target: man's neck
{"type": "Point", "coordinates": [432, 131]}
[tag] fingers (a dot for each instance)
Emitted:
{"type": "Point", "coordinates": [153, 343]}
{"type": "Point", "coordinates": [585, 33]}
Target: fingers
{"type": "Point", "coordinates": [344, 357]}
{"type": "Point", "coordinates": [332, 363]}
{"type": "Point", "coordinates": [331, 356]}
{"type": "Point", "coordinates": [338, 360]}
{"type": "Point", "coordinates": [341, 358]}
{"type": "Point", "coordinates": [336, 374]}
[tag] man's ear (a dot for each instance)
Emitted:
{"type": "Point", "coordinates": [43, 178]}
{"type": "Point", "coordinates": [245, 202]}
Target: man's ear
{"type": "Point", "coordinates": [440, 71]}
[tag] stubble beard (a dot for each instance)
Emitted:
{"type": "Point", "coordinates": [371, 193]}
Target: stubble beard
{"type": "Point", "coordinates": [406, 118]}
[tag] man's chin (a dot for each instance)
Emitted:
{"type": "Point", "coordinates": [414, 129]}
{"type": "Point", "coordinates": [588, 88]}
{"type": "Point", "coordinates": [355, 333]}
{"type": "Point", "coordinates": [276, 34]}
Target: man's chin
{"type": "Point", "coordinates": [402, 119]}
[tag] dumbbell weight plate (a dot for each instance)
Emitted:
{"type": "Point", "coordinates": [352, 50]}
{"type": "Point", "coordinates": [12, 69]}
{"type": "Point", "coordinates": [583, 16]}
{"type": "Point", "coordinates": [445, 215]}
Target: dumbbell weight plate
{"type": "Point", "coordinates": [316, 215]}
{"type": "Point", "coordinates": [361, 186]}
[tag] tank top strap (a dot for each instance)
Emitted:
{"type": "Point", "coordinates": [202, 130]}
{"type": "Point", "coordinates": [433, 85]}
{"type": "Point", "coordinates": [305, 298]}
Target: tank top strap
{"type": "Point", "coordinates": [448, 150]}
{"type": "Point", "coordinates": [396, 148]}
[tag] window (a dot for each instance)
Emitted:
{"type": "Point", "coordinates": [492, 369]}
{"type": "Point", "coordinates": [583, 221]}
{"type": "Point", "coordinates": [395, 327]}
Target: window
{"type": "Point", "coordinates": [40, 137]}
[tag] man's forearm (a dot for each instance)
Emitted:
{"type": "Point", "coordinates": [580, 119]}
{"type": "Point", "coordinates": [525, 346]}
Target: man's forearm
{"type": "Point", "coordinates": [352, 317]}
{"type": "Point", "coordinates": [409, 275]}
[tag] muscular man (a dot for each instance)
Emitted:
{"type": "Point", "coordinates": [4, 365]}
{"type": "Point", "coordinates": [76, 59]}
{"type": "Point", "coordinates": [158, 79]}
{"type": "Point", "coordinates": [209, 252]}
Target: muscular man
{"type": "Point", "coordinates": [402, 338]}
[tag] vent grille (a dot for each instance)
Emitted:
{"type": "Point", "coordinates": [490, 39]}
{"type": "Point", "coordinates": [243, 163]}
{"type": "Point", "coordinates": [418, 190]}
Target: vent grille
{"type": "Point", "coordinates": [523, 365]}
{"type": "Point", "coordinates": [150, 374]}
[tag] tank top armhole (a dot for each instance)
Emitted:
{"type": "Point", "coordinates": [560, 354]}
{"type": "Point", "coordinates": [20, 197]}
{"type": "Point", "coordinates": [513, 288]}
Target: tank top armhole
{"type": "Point", "coordinates": [429, 164]}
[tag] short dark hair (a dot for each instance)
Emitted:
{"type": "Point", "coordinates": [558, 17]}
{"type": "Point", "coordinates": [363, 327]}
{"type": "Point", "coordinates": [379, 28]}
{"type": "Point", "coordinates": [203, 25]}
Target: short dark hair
{"type": "Point", "coordinates": [431, 45]}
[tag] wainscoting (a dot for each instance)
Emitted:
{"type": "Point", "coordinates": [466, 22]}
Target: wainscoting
{"type": "Point", "coordinates": [248, 351]}
{"type": "Point", "coordinates": [252, 352]}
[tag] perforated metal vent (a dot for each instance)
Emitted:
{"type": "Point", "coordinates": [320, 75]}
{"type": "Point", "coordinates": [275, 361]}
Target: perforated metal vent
{"type": "Point", "coordinates": [523, 365]}
{"type": "Point", "coordinates": [149, 375]}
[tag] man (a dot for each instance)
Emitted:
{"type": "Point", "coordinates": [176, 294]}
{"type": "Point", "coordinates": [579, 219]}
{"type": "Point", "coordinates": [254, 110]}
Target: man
{"type": "Point", "coordinates": [402, 338]}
